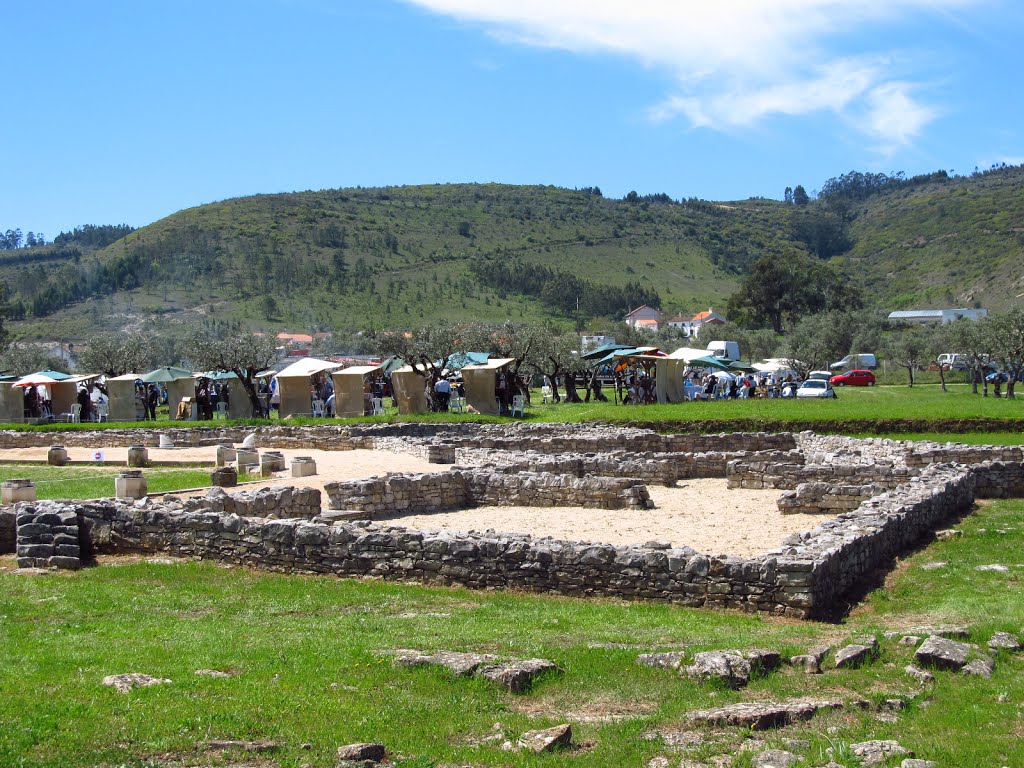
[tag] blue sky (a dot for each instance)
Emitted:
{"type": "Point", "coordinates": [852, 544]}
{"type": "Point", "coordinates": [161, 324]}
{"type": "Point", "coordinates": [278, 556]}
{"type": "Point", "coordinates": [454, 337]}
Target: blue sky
{"type": "Point", "coordinates": [125, 112]}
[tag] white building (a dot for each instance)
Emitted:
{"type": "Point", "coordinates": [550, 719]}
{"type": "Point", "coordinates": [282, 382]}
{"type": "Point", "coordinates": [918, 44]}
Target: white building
{"type": "Point", "coordinates": [691, 325]}
{"type": "Point", "coordinates": [935, 316]}
{"type": "Point", "coordinates": [647, 318]}
{"type": "Point", "coordinates": [588, 343]}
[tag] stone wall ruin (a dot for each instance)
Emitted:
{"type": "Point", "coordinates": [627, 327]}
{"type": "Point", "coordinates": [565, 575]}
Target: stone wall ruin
{"type": "Point", "coordinates": [900, 493]}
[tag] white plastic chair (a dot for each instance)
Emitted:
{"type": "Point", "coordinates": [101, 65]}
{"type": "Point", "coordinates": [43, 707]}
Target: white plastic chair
{"type": "Point", "coordinates": [101, 412]}
{"type": "Point", "coordinates": [376, 406]}
{"type": "Point", "coordinates": [545, 393]}
{"type": "Point", "coordinates": [222, 410]}
{"type": "Point", "coordinates": [75, 415]}
{"type": "Point", "coordinates": [318, 408]}
{"type": "Point", "coordinates": [456, 404]}
{"type": "Point", "coordinates": [519, 404]}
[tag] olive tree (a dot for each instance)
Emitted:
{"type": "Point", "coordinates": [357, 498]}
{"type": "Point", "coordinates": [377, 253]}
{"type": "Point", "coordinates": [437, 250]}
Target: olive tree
{"type": "Point", "coordinates": [115, 354]}
{"type": "Point", "coordinates": [1006, 331]}
{"type": "Point", "coordinates": [240, 351]}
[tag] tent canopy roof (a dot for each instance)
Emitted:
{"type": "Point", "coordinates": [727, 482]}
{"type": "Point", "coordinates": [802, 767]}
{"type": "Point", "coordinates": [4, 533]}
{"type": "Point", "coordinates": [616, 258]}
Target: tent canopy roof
{"type": "Point", "coordinates": [55, 375]}
{"type": "Point", "coordinates": [358, 370]}
{"type": "Point", "coordinates": [307, 366]}
{"type": "Point", "coordinates": [601, 351]}
{"type": "Point", "coordinates": [463, 359]}
{"type": "Point", "coordinates": [166, 374]}
{"type": "Point", "coordinates": [492, 364]}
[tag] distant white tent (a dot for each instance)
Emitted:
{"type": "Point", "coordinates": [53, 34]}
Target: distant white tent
{"type": "Point", "coordinates": [351, 397]}
{"type": "Point", "coordinates": [410, 390]}
{"type": "Point", "coordinates": [294, 384]}
{"type": "Point", "coordinates": [480, 383]}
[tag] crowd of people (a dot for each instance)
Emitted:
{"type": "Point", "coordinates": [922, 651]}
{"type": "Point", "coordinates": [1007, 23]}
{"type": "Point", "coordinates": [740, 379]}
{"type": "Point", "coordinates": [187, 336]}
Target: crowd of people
{"type": "Point", "coordinates": [639, 387]}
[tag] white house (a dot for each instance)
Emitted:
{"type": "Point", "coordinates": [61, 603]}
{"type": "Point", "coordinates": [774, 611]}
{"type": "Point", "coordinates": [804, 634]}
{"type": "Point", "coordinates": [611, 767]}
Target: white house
{"type": "Point", "coordinates": [935, 316]}
{"type": "Point", "coordinates": [588, 343]}
{"type": "Point", "coordinates": [691, 325]}
{"type": "Point", "coordinates": [647, 318]}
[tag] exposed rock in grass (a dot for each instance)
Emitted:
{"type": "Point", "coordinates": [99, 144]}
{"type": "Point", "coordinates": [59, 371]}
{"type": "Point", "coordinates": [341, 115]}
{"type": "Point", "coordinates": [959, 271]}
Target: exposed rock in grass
{"type": "Point", "coordinates": [810, 662]}
{"type": "Point", "coordinates": [911, 762]}
{"type": "Point", "coordinates": [877, 752]}
{"type": "Point", "coordinates": [993, 567]}
{"type": "Point", "coordinates": [910, 640]}
{"type": "Point", "coordinates": [547, 740]}
{"type": "Point", "coordinates": [860, 651]}
{"type": "Point", "coordinates": [934, 565]}
{"type": "Point", "coordinates": [247, 746]}
{"type": "Point", "coordinates": [1005, 641]}
{"type": "Point", "coordinates": [728, 667]}
{"type": "Point", "coordinates": [954, 632]}
{"type": "Point", "coordinates": [126, 682]}
{"type": "Point", "coordinates": [948, 534]}
{"type": "Point", "coordinates": [943, 654]}
{"type": "Point", "coordinates": [979, 667]}
{"type": "Point", "coordinates": [668, 660]}
{"type": "Point", "coordinates": [357, 753]}
{"type": "Point", "coordinates": [774, 758]}
{"type": "Point", "coordinates": [763, 715]}
{"type": "Point", "coordinates": [461, 664]}
{"type": "Point", "coordinates": [517, 675]}
{"type": "Point", "coordinates": [214, 673]}
{"type": "Point", "coordinates": [763, 661]}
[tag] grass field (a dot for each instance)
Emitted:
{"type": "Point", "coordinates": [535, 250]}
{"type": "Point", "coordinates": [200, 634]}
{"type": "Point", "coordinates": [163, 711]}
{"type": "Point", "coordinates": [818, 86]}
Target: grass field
{"type": "Point", "coordinates": [306, 675]}
{"type": "Point", "coordinates": [885, 410]}
{"type": "Point", "coordinates": [96, 481]}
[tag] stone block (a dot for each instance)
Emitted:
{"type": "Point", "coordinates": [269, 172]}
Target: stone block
{"type": "Point", "coordinates": [15, 490]}
{"type": "Point", "coordinates": [138, 456]}
{"type": "Point", "coordinates": [303, 466]}
{"type": "Point", "coordinates": [130, 484]}
{"type": "Point", "coordinates": [57, 456]}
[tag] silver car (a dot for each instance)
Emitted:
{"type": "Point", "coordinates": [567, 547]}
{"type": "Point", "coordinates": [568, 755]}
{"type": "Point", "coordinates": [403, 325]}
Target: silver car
{"type": "Point", "coordinates": [816, 388]}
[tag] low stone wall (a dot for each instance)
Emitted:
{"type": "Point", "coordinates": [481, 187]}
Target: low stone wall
{"type": "Point", "coordinates": [825, 498]}
{"type": "Point", "coordinates": [999, 479]}
{"type": "Point", "coordinates": [275, 503]}
{"type": "Point", "coordinates": [419, 494]}
{"type": "Point", "coordinates": [664, 468]}
{"type": "Point", "coordinates": [49, 536]}
{"type": "Point", "coordinates": [8, 531]}
{"type": "Point", "coordinates": [958, 453]}
{"type": "Point", "coordinates": [769, 474]}
{"type": "Point", "coordinates": [844, 551]}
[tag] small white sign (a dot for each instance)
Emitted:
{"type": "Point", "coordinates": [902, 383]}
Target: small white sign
{"type": "Point", "coordinates": [99, 456]}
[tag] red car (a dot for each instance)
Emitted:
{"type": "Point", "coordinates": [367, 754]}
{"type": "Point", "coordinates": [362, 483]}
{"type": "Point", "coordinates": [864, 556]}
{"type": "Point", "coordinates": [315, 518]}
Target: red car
{"type": "Point", "coordinates": [855, 378]}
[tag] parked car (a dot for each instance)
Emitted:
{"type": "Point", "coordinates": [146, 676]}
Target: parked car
{"type": "Point", "coordinates": [856, 361]}
{"type": "Point", "coordinates": [854, 378]}
{"type": "Point", "coordinates": [823, 375]}
{"type": "Point", "coordinates": [952, 362]}
{"type": "Point", "coordinates": [816, 388]}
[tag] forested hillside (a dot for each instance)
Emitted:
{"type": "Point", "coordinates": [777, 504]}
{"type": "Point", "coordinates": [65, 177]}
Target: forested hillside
{"type": "Point", "coordinates": [401, 256]}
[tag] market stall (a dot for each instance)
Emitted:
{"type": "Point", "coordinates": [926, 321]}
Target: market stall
{"type": "Point", "coordinates": [295, 385]}
{"type": "Point", "coordinates": [352, 390]}
{"type": "Point", "coordinates": [481, 384]}
{"type": "Point", "coordinates": [410, 391]}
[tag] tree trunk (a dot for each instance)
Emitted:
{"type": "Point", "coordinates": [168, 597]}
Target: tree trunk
{"type": "Point", "coordinates": [594, 386]}
{"type": "Point", "coordinates": [1011, 384]}
{"type": "Point", "coordinates": [974, 380]}
{"type": "Point", "coordinates": [250, 390]}
{"type": "Point", "coordinates": [571, 395]}
{"type": "Point", "coordinates": [910, 371]}
{"type": "Point", "coordinates": [942, 377]}
{"type": "Point", "coordinates": [553, 383]}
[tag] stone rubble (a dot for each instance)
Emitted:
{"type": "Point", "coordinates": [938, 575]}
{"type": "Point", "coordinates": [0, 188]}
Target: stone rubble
{"type": "Point", "coordinates": [877, 752]}
{"type": "Point", "coordinates": [941, 653]}
{"type": "Point", "coordinates": [516, 675]}
{"type": "Point", "coordinates": [1004, 641]}
{"type": "Point", "coordinates": [761, 716]}
{"type": "Point", "coordinates": [124, 683]}
{"type": "Point", "coordinates": [774, 758]}
{"type": "Point", "coordinates": [547, 740]}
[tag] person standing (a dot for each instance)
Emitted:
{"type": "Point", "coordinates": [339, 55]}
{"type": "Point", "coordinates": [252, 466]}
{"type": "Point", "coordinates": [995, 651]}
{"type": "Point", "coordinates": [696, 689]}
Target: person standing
{"type": "Point", "coordinates": [442, 394]}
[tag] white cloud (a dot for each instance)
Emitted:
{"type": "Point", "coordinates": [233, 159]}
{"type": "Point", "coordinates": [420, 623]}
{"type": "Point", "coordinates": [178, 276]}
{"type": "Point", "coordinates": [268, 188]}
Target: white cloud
{"type": "Point", "coordinates": [733, 61]}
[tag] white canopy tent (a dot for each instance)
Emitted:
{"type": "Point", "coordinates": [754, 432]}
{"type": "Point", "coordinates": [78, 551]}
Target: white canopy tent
{"type": "Point", "coordinates": [480, 381]}
{"type": "Point", "coordinates": [410, 390]}
{"type": "Point", "coordinates": [121, 391]}
{"type": "Point", "coordinates": [294, 385]}
{"type": "Point", "coordinates": [351, 392]}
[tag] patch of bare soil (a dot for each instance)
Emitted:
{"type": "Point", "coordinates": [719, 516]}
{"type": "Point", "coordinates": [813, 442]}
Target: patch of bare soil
{"type": "Point", "coordinates": [601, 710]}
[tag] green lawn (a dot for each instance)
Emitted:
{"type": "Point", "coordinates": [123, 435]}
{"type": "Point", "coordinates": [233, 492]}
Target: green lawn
{"type": "Point", "coordinates": [882, 410]}
{"type": "Point", "coordinates": [302, 648]}
{"type": "Point", "coordinates": [96, 481]}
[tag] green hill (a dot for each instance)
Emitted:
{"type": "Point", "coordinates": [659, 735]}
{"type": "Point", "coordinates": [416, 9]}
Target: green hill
{"type": "Point", "coordinates": [404, 256]}
{"type": "Point", "coordinates": [957, 242]}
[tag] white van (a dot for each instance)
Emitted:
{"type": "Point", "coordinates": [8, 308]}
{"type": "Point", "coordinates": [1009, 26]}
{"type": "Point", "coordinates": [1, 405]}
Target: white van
{"type": "Point", "coordinates": [729, 350]}
{"type": "Point", "coordinates": [952, 362]}
{"type": "Point", "coordinates": [856, 361]}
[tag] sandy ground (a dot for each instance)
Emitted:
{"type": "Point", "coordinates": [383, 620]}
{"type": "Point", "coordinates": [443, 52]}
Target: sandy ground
{"type": "Point", "coordinates": [702, 514]}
